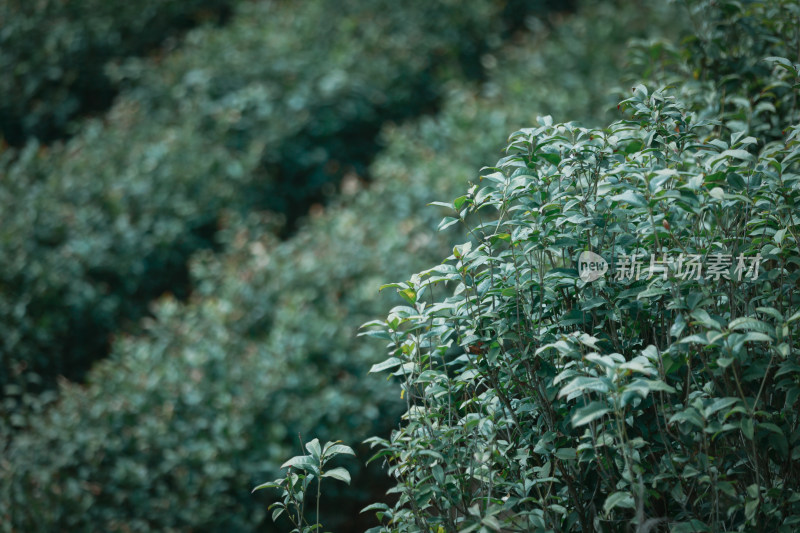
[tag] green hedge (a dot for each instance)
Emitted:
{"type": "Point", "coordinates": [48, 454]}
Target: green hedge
{"type": "Point", "coordinates": [182, 421]}
{"type": "Point", "coordinates": [53, 55]}
{"type": "Point", "coordinates": [264, 113]}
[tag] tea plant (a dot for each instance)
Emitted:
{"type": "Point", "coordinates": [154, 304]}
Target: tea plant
{"type": "Point", "coordinates": [302, 470]}
{"type": "Point", "coordinates": [660, 395]}
{"type": "Point", "coordinates": [614, 348]}
{"type": "Point", "coordinates": [657, 390]}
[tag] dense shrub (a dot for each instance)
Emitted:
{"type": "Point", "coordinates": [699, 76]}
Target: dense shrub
{"type": "Point", "coordinates": [545, 392]}
{"type": "Point", "coordinates": [182, 421]}
{"type": "Point", "coordinates": [262, 113]}
{"type": "Point", "coordinates": [53, 54]}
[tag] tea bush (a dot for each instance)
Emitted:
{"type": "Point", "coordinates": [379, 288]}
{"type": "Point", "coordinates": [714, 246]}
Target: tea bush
{"type": "Point", "coordinates": [656, 390]}
{"type": "Point", "coordinates": [302, 470]}
{"type": "Point", "coordinates": [264, 113]}
{"type": "Point", "coordinates": [180, 423]}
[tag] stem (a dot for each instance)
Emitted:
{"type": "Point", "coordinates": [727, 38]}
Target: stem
{"type": "Point", "coordinates": [319, 491]}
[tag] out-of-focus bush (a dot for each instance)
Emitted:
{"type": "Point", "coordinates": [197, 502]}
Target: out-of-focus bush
{"type": "Point", "coordinates": [312, 87]}
{"type": "Point", "coordinates": [174, 429]}
{"type": "Point", "coordinates": [263, 113]}
{"type": "Point", "coordinates": [53, 54]}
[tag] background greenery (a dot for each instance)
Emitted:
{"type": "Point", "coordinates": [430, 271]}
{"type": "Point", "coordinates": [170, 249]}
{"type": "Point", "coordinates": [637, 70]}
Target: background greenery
{"type": "Point", "coordinates": [53, 55]}
{"type": "Point", "coordinates": [196, 260]}
{"type": "Point", "coordinates": [267, 112]}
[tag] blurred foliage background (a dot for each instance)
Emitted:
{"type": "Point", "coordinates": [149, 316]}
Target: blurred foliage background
{"type": "Point", "coordinates": [199, 201]}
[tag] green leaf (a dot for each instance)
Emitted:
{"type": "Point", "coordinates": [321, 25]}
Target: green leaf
{"type": "Point", "coordinates": [738, 153]}
{"type": "Point", "coordinates": [267, 485]}
{"type": "Point", "coordinates": [410, 295]}
{"type": "Point", "coordinates": [678, 326]}
{"type": "Point", "coordinates": [338, 473]}
{"type": "Point", "coordinates": [583, 383]}
{"type": "Point", "coordinates": [778, 237]}
{"type": "Point", "coordinates": [392, 362]}
{"type": "Point", "coordinates": [633, 146]}
{"type": "Point", "coordinates": [587, 414]}
{"type": "Point", "coordinates": [618, 499]}
{"type": "Point", "coordinates": [447, 222]}
{"type": "Point", "coordinates": [633, 198]}
{"type": "Point", "coordinates": [332, 449]}
{"type": "Point", "coordinates": [566, 454]}
{"type": "Point", "coordinates": [552, 158]}
{"type": "Point", "coordinates": [702, 317]}
{"type": "Point", "coordinates": [375, 507]}
{"type": "Point", "coordinates": [724, 362]}
{"type": "Point", "coordinates": [736, 181]}
{"type": "Point", "coordinates": [303, 462]}
{"type": "Point", "coordinates": [750, 324]}
{"type": "Point", "coordinates": [779, 60]}
{"type": "Point", "coordinates": [750, 509]}
{"type": "Point", "coordinates": [793, 317]}
{"type": "Point", "coordinates": [747, 427]}
{"type": "Point", "coordinates": [492, 523]}
{"type": "Point", "coordinates": [314, 449]}
{"type": "Point", "coordinates": [438, 474]}
{"type": "Point", "coordinates": [700, 338]}
{"type": "Point", "coordinates": [658, 385]}
{"type": "Point", "coordinates": [757, 337]}
{"type": "Point", "coordinates": [770, 427]}
{"type": "Point", "coordinates": [651, 292]}
{"type": "Point", "coordinates": [588, 340]}
{"type": "Point", "coordinates": [718, 405]}
{"type": "Point", "coordinates": [690, 415]}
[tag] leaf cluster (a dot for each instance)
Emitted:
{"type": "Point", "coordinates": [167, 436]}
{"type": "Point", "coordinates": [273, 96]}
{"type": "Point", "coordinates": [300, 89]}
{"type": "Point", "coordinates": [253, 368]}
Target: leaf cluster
{"type": "Point", "coordinates": [303, 469]}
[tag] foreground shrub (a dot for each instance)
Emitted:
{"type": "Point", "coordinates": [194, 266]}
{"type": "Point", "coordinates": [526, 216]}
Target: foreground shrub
{"type": "Point", "coordinates": [539, 400]}
{"type": "Point", "coordinates": [614, 346]}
